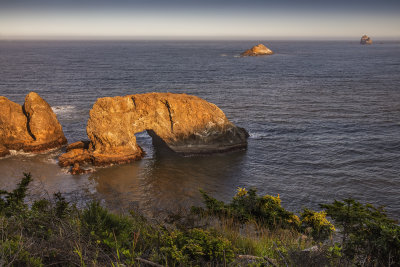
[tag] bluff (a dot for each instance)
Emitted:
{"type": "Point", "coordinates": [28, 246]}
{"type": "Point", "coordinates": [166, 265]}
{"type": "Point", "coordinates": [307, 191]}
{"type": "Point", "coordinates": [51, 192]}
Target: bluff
{"type": "Point", "coordinates": [32, 127]}
{"type": "Point", "coordinates": [183, 123]}
{"type": "Point", "coordinates": [258, 50]}
{"type": "Point", "coordinates": [365, 40]}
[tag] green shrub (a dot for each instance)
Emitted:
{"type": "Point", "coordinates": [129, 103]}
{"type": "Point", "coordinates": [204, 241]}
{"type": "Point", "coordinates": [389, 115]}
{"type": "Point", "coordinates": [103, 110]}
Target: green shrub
{"type": "Point", "coordinates": [14, 253]}
{"type": "Point", "coordinates": [248, 206]}
{"type": "Point", "coordinates": [369, 237]}
{"type": "Point", "coordinates": [316, 224]}
{"type": "Point", "coordinates": [106, 228]}
{"type": "Point", "coordinates": [195, 247]}
{"type": "Point", "coordinates": [14, 201]}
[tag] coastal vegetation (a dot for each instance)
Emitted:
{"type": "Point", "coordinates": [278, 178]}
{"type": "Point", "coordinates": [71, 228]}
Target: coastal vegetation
{"type": "Point", "coordinates": [251, 230]}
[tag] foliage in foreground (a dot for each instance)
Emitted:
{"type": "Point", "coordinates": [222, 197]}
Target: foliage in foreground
{"type": "Point", "coordinates": [251, 230]}
{"type": "Point", "coordinates": [369, 237]}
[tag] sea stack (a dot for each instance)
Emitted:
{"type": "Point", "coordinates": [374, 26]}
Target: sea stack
{"type": "Point", "coordinates": [365, 40]}
{"type": "Point", "coordinates": [258, 50]}
{"type": "Point", "coordinates": [184, 124]}
{"type": "Point", "coordinates": [32, 127]}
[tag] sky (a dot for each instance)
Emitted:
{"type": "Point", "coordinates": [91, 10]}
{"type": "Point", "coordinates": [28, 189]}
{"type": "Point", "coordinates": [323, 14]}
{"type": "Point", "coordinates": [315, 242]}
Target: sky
{"type": "Point", "coordinates": [205, 19]}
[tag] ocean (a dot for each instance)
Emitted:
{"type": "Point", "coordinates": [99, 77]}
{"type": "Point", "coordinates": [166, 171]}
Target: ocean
{"type": "Point", "coordinates": [323, 119]}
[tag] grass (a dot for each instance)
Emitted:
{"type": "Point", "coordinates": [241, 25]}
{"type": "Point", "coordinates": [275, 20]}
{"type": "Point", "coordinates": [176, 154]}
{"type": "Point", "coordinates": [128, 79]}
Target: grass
{"type": "Point", "coordinates": [251, 230]}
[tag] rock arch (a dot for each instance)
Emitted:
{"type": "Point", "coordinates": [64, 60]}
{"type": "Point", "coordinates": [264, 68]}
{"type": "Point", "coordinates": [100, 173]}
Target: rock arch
{"type": "Point", "coordinates": [186, 124]}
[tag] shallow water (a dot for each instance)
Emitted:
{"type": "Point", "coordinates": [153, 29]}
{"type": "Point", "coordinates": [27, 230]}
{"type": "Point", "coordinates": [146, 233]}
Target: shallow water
{"type": "Point", "coordinates": [323, 118]}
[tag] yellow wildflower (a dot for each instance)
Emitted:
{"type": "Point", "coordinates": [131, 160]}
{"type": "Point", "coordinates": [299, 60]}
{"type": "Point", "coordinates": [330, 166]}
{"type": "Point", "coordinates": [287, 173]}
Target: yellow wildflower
{"type": "Point", "coordinates": [276, 200]}
{"type": "Point", "coordinates": [241, 191]}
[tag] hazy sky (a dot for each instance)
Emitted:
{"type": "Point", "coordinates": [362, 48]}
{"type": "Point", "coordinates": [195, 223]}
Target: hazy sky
{"type": "Point", "coordinates": [143, 19]}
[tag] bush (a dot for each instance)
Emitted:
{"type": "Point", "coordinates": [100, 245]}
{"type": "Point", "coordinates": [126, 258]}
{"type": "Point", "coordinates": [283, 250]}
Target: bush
{"type": "Point", "coordinates": [369, 237]}
{"type": "Point", "coordinates": [248, 206]}
{"type": "Point", "coordinates": [316, 224]}
{"type": "Point", "coordinates": [196, 247]}
{"type": "Point", "coordinates": [106, 228]}
{"type": "Point", "coordinates": [14, 201]}
{"type": "Point", "coordinates": [54, 232]}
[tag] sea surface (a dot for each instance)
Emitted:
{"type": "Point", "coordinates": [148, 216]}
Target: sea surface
{"type": "Point", "coordinates": [323, 119]}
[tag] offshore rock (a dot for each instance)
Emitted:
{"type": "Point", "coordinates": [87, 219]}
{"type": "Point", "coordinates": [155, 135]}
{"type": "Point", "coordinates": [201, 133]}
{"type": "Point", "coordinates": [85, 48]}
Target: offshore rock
{"type": "Point", "coordinates": [76, 169]}
{"type": "Point", "coordinates": [31, 128]}
{"type": "Point", "coordinates": [185, 124]}
{"type": "Point", "coordinates": [42, 124]}
{"type": "Point", "coordinates": [77, 155]}
{"type": "Point", "coordinates": [78, 145]}
{"type": "Point", "coordinates": [258, 50]}
{"type": "Point", "coordinates": [365, 40]}
{"type": "Point", "coordinates": [13, 125]}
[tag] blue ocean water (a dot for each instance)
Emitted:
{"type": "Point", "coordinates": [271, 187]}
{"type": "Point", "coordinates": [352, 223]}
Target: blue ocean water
{"type": "Point", "coordinates": [323, 118]}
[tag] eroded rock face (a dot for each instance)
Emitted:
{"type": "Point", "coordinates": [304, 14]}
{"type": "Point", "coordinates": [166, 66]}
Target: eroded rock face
{"type": "Point", "coordinates": [43, 124]}
{"type": "Point", "coordinates": [365, 40]}
{"type": "Point", "coordinates": [13, 125]}
{"type": "Point", "coordinates": [186, 124]}
{"type": "Point", "coordinates": [32, 128]}
{"type": "Point", "coordinates": [258, 50]}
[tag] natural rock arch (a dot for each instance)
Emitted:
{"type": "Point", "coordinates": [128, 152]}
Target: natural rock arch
{"type": "Point", "coordinates": [186, 124]}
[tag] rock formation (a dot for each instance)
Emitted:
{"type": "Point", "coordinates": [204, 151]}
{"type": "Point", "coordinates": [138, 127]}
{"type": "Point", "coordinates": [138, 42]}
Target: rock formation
{"type": "Point", "coordinates": [258, 50]}
{"type": "Point", "coordinates": [365, 40]}
{"type": "Point", "coordinates": [32, 127]}
{"type": "Point", "coordinates": [13, 125]}
{"type": "Point", "coordinates": [185, 124]}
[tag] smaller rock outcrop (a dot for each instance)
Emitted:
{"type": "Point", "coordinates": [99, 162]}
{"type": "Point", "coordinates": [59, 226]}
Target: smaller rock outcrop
{"type": "Point", "coordinates": [76, 169]}
{"type": "Point", "coordinates": [76, 155]}
{"type": "Point", "coordinates": [365, 40]}
{"type": "Point", "coordinates": [43, 125]}
{"type": "Point", "coordinates": [258, 50]}
{"type": "Point", "coordinates": [14, 132]}
{"type": "Point", "coordinates": [32, 127]}
{"type": "Point", "coordinates": [78, 145]}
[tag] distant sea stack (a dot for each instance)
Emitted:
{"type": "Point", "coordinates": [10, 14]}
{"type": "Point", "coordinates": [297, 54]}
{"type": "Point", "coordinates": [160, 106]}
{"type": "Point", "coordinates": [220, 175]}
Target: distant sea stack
{"type": "Point", "coordinates": [32, 127]}
{"type": "Point", "coordinates": [365, 40]}
{"type": "Point", "coordinates": [183, 123]}
{"type": "Point", "coordinates": [258, 50]}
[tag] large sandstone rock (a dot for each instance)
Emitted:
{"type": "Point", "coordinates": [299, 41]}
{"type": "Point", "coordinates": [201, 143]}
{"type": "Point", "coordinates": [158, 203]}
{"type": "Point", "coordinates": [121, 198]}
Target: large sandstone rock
{"type": "Point", "coordinates": [258, 50]}
{"type": "Point", "coordinates": [42, 124]}
{"type": "Point", "coordinates": [13, 125]}
{"type": "Point", "coordinates": [33, 127]}
{"type": "Point", "coordinates": [365, 40]}
{"type": "Point", "coordinates": [185, 124]}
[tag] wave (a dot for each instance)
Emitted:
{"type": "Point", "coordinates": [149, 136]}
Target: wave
{"type": "Point", "coordinates": [63, 109]}
{"type": "Point", "coordinates": [20, 152]}
{"type": "Point", "coordinates": [254, 135]}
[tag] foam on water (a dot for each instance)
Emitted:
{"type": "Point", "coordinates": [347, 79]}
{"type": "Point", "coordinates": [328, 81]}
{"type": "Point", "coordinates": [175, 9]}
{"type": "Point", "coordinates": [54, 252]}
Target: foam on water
{"type": "Point", "coordinates": [63, 109]}
{"type": "Point", "coordinates": [21, 153]}
{"type": "Point", "coordinates": [256, 135]}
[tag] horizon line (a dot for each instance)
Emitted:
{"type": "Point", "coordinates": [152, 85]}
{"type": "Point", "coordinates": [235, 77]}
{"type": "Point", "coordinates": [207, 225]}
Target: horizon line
{"type": "Point", "coordinates": [190, 38]}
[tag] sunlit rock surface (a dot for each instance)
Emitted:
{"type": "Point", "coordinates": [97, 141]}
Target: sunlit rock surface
{"type": "Point", "coordinates": [365, 40]}
{"type": "Point", "coordinates": [32, 127]}
{"type": "Point", "coordinates": [258, 50]}
{"type": "Point", "coordinates": [185, 124]}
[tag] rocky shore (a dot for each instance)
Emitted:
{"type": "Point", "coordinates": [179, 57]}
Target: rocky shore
{"type": "Point", "coordinates": [182, 123]}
